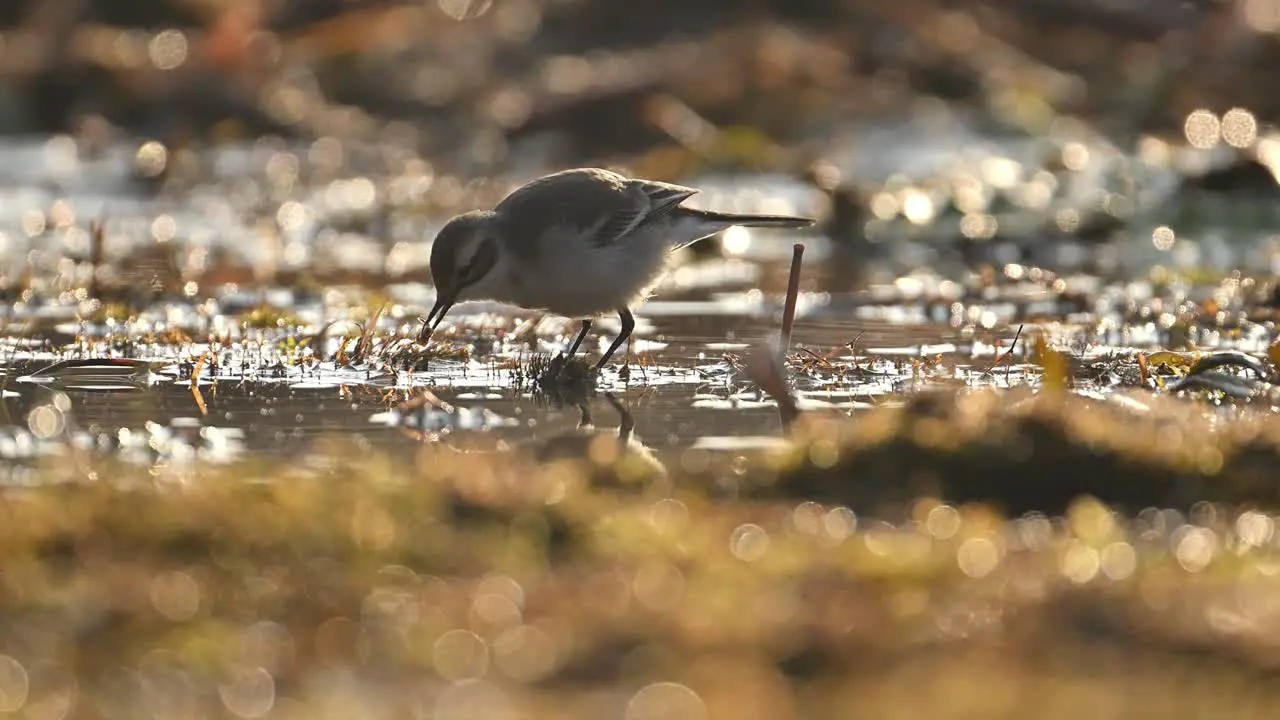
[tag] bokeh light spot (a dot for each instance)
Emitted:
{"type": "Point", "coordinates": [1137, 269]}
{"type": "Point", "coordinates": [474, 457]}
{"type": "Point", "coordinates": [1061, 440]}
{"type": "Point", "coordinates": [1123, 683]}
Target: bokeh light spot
{"type": "Point", "coordinates": [249, 693]}
{"type": "Point", "coordinates": [460, 655]}
{"type": "Point", "coordinates": [943, 522]}
{"type": "Point", "coordinates": [14, 684]}
{"type": "Point", "coordinates": [151, 159]}
{"type": "Point", "coordinates": [1239, 128]}
{"type": "Point", "coordinates": [749, 542]}
{"type": "Point", "coordinates": [175, 595]}
{"type": "Point", "coordinates": [465, 9]}
{"type": "Point", "coordinates": [978, 557]}
{"type": "Point", "coordinates": [1203, 130]}
{"type": "Point", "coordinates": [1119, 560]}
{"type": "Point", "coordinates": [666, 701]}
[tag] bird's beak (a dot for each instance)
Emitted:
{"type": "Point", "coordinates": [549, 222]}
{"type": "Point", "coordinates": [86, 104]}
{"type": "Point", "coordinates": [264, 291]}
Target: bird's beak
{"type": "Point", "coordinates": [438, 311]}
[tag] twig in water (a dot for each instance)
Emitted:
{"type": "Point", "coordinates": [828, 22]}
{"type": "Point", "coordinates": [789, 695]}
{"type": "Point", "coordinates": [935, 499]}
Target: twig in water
{"type": "Point", "coordinates": [1007, 353]}
{"type": "Point", "coordinates": [815, 358]}
{"type": "Point", "coordinates": [852, 345]}
{"type": "Point", "coordinates": [793, 291]}
{"type": "Point", "coordinates": [853, 351]}
{"type": "Point", "coordinates": [1001, 357]}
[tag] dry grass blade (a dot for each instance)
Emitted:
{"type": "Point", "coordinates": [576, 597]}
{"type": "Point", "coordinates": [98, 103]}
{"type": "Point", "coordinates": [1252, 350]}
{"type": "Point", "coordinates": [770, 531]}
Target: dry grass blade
{"type": "Point", "coordinates": [195, 383]}
{"type": "Point", "coordinates": [340, 357]}
{"type": "Point", "coordinates": [199, 398]}
{"type": "Point", "coordinates": [366, 337]}
{"type": "Point", "coordinates": [199, 368]}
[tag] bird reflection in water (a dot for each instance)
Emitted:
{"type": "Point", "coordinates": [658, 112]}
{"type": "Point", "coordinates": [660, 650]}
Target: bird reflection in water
{"type": "Point", "coordinates": [622, 457]}
{"type": "Point", "coordinates": [605, 456]}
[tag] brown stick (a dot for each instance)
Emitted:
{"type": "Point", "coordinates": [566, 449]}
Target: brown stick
{"type": "Point", "coordinates": [97, 240]}
{"type": "Point", "coordinates": [793, 291]}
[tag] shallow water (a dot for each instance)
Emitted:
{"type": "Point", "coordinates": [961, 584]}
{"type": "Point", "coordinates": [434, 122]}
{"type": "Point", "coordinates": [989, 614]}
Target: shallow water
{"type": "Point", "coordinates": [324, 245]}
{"type": "Point", "coordinates": [680, 395]}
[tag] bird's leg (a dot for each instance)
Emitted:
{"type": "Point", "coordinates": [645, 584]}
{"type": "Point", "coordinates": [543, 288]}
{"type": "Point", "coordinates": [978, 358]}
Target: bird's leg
{"type": "Point", "coordinates": [628, 324]}
{"type": "Point", "coordinates": [586, 327]}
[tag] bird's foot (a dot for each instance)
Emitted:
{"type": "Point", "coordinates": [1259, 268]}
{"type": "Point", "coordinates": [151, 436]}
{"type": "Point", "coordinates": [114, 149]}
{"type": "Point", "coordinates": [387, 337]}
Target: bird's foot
{"type": "Point", "coordinates": [555, 367]}
{"type": "Point", "coordinates": [565, 370]}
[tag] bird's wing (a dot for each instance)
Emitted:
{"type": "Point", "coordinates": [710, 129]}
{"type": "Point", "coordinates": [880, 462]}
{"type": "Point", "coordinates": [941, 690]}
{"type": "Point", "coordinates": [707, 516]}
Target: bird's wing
{"type": "Point", "coordinates": [599, 206]}
{"type": "Point", "coordinates": [646, 201]}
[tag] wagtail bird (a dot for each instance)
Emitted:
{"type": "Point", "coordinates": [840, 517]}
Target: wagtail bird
{"type": "Point", "coordinates": [579, 243]}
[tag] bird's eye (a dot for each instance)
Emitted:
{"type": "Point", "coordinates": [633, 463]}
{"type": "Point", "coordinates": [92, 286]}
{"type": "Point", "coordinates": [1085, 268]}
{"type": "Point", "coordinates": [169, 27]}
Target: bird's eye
{"type": "Point", "coordinates": [468, 269]}
{"type": "Point", "coordinates": [478, 264]}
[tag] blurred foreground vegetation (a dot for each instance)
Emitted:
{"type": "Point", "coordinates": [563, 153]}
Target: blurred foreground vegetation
{"type": "Point", "coordinates": [580, 578]}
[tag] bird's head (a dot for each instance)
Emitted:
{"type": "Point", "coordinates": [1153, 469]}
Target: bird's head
{"type": "Point", "coordinates": [464, 254]}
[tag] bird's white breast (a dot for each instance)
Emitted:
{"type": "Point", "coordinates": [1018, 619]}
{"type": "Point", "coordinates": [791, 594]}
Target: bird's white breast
{"type": "Point", "coordinates": [574, 277]}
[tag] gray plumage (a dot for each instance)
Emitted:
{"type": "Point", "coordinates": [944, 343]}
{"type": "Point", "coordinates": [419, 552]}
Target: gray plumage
{"type": "Point", "coordinates": [578, 243]}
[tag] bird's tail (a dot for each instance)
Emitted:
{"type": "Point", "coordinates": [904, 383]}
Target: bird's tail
{"type": "Point", "coordinates": [774, 221]}
{"type": "Point", "coordinates": [692, 225]}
